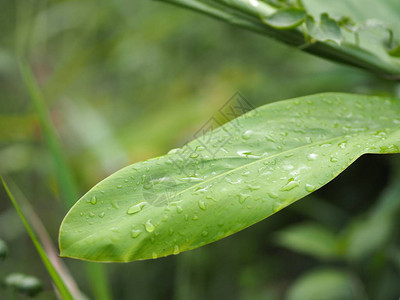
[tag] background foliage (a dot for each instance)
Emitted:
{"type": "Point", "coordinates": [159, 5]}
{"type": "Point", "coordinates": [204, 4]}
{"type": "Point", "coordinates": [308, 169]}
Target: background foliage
{"type": "Point", "coordinates": [125, 81]}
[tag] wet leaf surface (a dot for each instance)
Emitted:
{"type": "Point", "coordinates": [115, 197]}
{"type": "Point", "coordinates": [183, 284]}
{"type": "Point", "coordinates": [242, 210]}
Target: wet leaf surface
{"type": "Point", "coordinates": [228, 179]}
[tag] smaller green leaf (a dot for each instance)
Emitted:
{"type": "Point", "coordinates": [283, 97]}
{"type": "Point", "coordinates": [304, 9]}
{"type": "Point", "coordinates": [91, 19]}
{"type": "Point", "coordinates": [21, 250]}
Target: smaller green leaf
{"type": "Point", "coordinates": [308, 238]}
{"type": "Point", "coordinates": [286, 18]}
{"type": "Point", "coordinates": [327, 284]}
{"type": "Point", "coordinates": [366, 236]}
{"type": "Point", "coordinates": [327, 29]}
{"type": "Point", "coordinates": [24, 283]}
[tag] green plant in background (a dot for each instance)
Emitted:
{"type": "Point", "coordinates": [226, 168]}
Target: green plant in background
{"type": "Point", "coordinates": [227, 179]}
{"type": "Point", "coordinates": [356, 36]}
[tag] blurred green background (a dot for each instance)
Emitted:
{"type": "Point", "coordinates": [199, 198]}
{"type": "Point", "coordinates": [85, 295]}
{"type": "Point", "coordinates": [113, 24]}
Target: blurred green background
{"type": "Point", "coordinates": [125, 81]}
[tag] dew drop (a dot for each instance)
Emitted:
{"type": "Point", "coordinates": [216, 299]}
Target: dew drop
{"type": "Point", "coordinates": [242, 198]}
{"type": "Point", "coordinates": [179, 209]}
{"type": "Point", "coordinates": [154, 255]}
{"type": "Point", "coordinates": [176, 250]}
{"type": "Point", "coordinates": [312, 156]}
{"type": "Point", "coordinates": [244, 153]}
{"type": "Point", "coordinates": [200, 148]}
{"type": "Point", "coordinates": [272, 195]}
{"type": "Point", "coordinates": [202, 205]}
{"type": "Point", "coordinates": [253, 187]}
{"type": "Point", "coordinates": [195, 217]}
{"type": "Point", "coordinates": [93, 200]}
{"type": "Point", "coordinates": [147, 186]}
{"type": "Point", "coordinates": [310, 188]}
{"type": "Point", "coordinates": [204, 233]}
{"type": "Point", "coordinates": [333, 159]}
{"type": "Point", "coordinates": [102, 214]}
{"type": "Point", "coordinates": [247, 134]}
{"type": "Point", "coordinates": [194, 155]}
{"type": "Point", "coordinates": [211, 198]}
{"type": "Point", "coordinates": [119, 186]}
{"type": "Point", "coordinates": [173, 151]}
{"type": "Point", "coordinates": [325, 145]}
{"type": "Point", "coordinates": [135, 233]}
{"type": "Point", "coordinates": [135, 208]}
{"type": "Point", "coordinates": [290, 185]}
{"type": "Point", "coordinates": [149, 226]}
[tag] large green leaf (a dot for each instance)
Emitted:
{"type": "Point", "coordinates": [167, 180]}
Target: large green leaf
{"type": "Point", "coordinates": [362, 33]}
{"type": "Point", "coordinates": [229, 178]}
{"type": "Point", "coordinates": [310, 238]}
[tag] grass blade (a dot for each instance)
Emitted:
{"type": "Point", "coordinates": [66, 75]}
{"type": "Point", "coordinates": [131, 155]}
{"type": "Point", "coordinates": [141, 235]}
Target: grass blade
{"type": "Point", "coordinates": [46, 241]}
{"type": "Point", "coordinates": [58, 281]}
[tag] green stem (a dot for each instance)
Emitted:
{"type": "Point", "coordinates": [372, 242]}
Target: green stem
{"type": "Point", "coordinates": [61, 287]}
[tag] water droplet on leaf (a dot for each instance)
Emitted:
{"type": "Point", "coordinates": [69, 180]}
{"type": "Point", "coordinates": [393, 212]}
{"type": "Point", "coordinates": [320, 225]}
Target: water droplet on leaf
{"type": "Point", "coordinates": [290, 185]}
{"type": "Point", "coordinates": [93, 200]}
{"type": "Point", "coordinates": [149, 226]}
{"type": "Point", "coordinates": [176, 250]}
{"type": "Point", "coordinates": [135, 208]}
{"type": "Point", "coordinates": [202, 205]}
{"type": "Point", "coordinates": [310, 188]}
{"type": "Point", "coordinates": [135, 233]}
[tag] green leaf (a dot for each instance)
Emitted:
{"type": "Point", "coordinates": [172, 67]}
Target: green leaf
{"type": "Point", "coordinates": [360, 45]}
{"type": "Point", "coordinates": [228, 179]}
{"type": "Point", "coordinates": [366, 236]}
{"type": "Point", "coordinates": [374, 231]}
{"type": "Point", "coordinates": [327, 284]}
{"type": "Point", "coordinates": [286, 18]}
{"type": "Point", "coordinates": [326, 30]}
{"type": "Point", "coordinates": [312, 239]}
